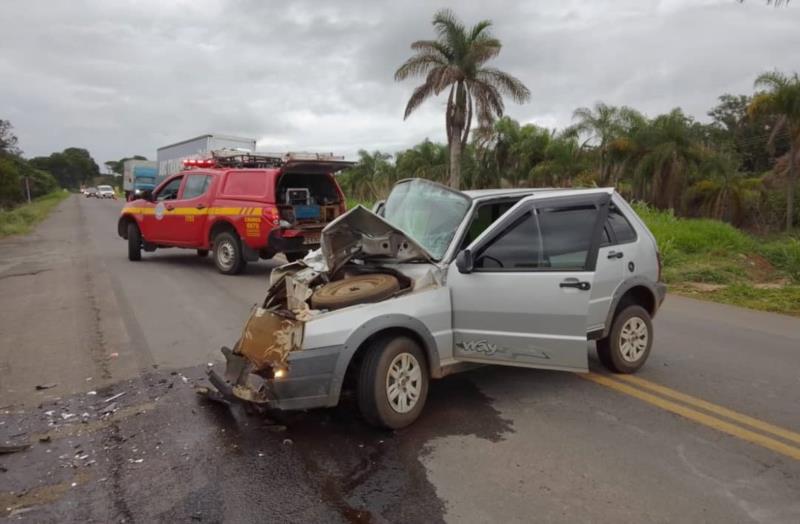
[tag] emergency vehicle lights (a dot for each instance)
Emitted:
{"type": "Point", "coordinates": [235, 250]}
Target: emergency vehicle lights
{"type": "Point", "coordinates": [199, 162]}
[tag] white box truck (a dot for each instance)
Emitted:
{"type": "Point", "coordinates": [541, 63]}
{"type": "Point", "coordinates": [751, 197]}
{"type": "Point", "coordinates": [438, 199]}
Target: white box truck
{"type": "Point", "coordinates": [170, 158]}
{"type": "Point", "coordinates": [138, 175]}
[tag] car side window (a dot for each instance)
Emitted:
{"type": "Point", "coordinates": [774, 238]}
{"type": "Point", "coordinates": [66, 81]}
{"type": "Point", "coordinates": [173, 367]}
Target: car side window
{"type": "Point", "coordinates": [196, 185]}
{"type": "Point", "coordinates": [170, 191]}
{"type": "Point", "coordinates": [517, 247]}
{"type": "Point", "coordinates": [567, 235]}
{"type": "Point", "coordinates": [623, 231]}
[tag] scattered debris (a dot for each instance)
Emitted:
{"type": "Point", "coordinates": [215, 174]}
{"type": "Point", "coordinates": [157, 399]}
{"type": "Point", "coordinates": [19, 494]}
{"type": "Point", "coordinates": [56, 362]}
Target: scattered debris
{"type": "Point", "coordinates": [45, 438]}
{"type": "Point", "coordinates": [114, 355]}
{"type": "Point", "coordinates": [92, 393]}
{"type": "Point", "coordinates": [67, 416]}
{"type": "Point", "coordinates": [13, 448]}
{"type": "Point", "coordinates": [114, 397]}
{"type": "Point", "coordinates": [288, 441]}
{"type": "Point", "coordinates": [40, 387]}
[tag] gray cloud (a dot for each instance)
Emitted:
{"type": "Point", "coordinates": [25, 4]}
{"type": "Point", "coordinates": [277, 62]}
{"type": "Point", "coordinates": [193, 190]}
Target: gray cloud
{"type": "Point", "coordinates": [126, 77]}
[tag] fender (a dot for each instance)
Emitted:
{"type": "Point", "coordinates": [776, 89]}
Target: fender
{"type": "Point", "coordinates": [370, 328]}
{"type": "Point", "coordinates": [623, 288]}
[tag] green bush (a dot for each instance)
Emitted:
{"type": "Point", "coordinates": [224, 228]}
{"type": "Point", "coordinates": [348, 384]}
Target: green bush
{"type": "Point", "coordinates": [22, 219]}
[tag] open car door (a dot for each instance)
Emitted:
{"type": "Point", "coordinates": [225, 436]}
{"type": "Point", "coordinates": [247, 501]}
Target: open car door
{"type": "Point", "coordinates": [521, 290]}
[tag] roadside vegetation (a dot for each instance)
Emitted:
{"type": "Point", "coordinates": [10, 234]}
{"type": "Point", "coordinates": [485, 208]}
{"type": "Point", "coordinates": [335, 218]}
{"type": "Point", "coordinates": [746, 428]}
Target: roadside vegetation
{"type": "Point", "coordinates": [21, 219]}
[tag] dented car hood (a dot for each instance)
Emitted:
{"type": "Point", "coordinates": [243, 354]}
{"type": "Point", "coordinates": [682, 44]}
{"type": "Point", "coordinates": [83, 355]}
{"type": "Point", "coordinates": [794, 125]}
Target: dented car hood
{"type": "Point", "coordinates": [362, 232]}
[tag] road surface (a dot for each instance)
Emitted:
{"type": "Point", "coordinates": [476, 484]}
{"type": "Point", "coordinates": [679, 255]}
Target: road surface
{"type": "Point", "coordinates": [708, 431]}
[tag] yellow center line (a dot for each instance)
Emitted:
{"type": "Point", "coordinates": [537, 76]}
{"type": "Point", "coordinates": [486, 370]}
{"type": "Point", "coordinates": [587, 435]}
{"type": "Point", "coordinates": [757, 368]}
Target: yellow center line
{"type": "Point", "coordinates": [714, 408]}
{"type": "Point", "coordinates": [696, 416]}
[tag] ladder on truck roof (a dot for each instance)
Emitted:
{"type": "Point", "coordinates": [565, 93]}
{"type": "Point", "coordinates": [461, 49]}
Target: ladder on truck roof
{"type": "Point", "coordinates": [234, 158]}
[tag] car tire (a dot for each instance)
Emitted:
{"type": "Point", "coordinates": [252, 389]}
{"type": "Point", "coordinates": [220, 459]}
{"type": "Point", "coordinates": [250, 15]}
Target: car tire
{"type": "Point", "coordinates": [228, 254]}
{"type": "Point", "coordinates": [202, 253]}
{"type": "Point", "coordinates": [359, 289]}
{"type": "Point", "coordinates": [628, 344]}
{"type": "Point", "coordinates": [393, 382]}
{"type": "Point", "coordinates": [134, 242]}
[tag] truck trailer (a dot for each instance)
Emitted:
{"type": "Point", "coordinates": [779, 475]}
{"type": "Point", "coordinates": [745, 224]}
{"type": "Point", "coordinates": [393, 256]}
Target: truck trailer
{"type": "Point", "coordinates": [138, 175]}
{"type": "Point", "coordinates": [170, 158]}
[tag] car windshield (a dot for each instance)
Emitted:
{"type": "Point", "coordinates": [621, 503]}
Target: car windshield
{"type": "Point", "coordinates": [426, 212]}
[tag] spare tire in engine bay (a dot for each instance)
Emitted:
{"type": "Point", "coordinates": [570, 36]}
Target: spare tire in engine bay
{"type": "Point", "coordinates": [359, 289]}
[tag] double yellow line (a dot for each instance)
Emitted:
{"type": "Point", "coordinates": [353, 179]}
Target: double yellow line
{"type": "Point", "coordinates": [736, 424]}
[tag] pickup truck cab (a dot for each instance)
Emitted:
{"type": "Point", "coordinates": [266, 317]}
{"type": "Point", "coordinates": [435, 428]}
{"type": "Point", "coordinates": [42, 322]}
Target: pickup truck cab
{"type": "Point", "coordinates": [439, 280]}
{"type": "Point", "coordinates": [241, 206]}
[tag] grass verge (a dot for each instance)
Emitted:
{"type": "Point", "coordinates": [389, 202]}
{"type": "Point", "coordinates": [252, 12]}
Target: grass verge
{"type": "Point", "coordinates": [22, 219]}
{"type": "Point", "coordinates": [712, 260]}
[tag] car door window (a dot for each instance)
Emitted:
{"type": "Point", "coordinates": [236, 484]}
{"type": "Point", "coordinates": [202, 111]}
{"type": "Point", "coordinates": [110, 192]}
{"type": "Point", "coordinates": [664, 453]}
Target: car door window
{"type": "Point", "coordinates": [196, 185]}
{"type": "Point", "coordinates": [517, 247]}
{"type": "Point", "coordinates": [548, 238]}
{"type": "Point", "coordinates": [567, 235]}
{"type": "Point", "coordinates": [619, 225]}
{"type": "Point", "coordinates": [170, 191]}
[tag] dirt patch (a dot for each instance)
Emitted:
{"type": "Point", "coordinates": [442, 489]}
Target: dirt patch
{"type": "Point", "coordinates": [759, 269]}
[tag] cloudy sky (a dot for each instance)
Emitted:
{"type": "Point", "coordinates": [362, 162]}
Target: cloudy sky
{"type": "Point", "coordinates": [125, 77]}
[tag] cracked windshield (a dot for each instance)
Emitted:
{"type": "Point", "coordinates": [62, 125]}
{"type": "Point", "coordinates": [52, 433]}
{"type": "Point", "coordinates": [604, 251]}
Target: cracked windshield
{"type": "Point", "coordinates": [428, 213]}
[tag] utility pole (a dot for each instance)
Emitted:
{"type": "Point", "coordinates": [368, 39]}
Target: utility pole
{"type": "Point", "coordinates": [28, 188]}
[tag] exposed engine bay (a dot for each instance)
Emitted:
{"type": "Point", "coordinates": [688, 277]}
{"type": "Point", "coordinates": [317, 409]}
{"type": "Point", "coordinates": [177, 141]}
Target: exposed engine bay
{"type": "Point", "coordinates": [352, 267]}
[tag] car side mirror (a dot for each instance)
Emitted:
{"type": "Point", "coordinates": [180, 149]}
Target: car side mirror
{"type": "Point", "coordinates": [464, 261]}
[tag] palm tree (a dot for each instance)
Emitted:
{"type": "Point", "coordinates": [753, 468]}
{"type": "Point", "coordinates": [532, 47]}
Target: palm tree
{"type": "Point", "coordinates": [456, 60]}
{"type": "Point", "coordinates": [724, 193]}
{"type": "Point", "coordinates": [667, 153]}
{"type": "Point", "coordinates": [781, 97]}
{"type": "Point", "coordinates": [603, 125]}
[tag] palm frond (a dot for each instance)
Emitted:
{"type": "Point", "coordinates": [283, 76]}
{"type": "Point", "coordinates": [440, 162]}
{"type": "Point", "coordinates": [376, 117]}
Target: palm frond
{"type": "Point", "coordinates": [505, 83]}
{"type": "Point", "coordinates": [419, 64]}
{"type": "Point", "coordinates": [419, 95]}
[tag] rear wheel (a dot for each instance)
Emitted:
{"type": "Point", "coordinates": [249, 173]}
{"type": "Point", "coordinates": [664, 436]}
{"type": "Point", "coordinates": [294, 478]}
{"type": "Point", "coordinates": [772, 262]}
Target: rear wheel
{"type": "Point", "coordinates": [393, 382]}
{"type": "Point", "coordinates": [228, 254]}
{"type": "Point", "coordinates": [628, 344]}
{"type": "Point", "coordinates": [134, 242]}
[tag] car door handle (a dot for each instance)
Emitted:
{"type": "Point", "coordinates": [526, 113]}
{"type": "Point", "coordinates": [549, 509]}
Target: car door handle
{"type": "Point", "coordinates": [200, 206]}
{"type": "Point", "coordinates": [583, 286]}
{"type": "Point", "coordinates": [616, 254]}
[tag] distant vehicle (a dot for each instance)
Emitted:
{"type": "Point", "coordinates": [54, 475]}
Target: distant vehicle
{"type": "Point", "coordinates": [170, 158]}
{"type": "Point", "coordinates": [106, 192]}
{"type": "Point", "coordinates": [138, 175]}
{"type": "Point", "coordinates": [240, 205]}
{"type": "Point", "coordinates": [442, 279]}
{"type": "Point", "coordinates": [90, 192]}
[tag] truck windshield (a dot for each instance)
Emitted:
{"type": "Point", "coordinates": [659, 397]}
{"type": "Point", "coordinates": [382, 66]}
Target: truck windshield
{"type": "Point", "coordinates": [426, 212]}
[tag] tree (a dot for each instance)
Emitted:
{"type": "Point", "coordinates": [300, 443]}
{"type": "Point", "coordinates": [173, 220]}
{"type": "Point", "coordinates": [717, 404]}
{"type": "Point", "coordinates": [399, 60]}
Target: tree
{"type": "Point", "coordinates": [456, 60]}
{"type": "Point", "coordinates": [8, 140]}
{"type": "Point", "coordinates": [724, 193]}
{"type": "Point", "coordinates": [370, 178]}
{"type": "Point", "coordinates": [71, 168]}
{"type": "Point", "coordinates": [781, 98]}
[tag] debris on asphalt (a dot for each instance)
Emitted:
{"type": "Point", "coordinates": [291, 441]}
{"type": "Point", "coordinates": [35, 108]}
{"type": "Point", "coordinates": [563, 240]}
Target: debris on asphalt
{"type": "Point", "coordinates": [13, 448]}
{"type": "Point", "coordinates": [114, 397]}
{"type": "Point", "coordinates": [40, 387]}
{"type": "Point", "coordinates": [288, 441]}
{"type": "Point", "coordinates": [45, 438]}
{"type": "Point", "coordinates": [91, 392]}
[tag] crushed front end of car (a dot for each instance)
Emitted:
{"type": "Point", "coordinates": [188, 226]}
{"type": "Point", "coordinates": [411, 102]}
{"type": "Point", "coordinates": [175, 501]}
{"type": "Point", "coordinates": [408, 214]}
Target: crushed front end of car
{"type": "Point", "coordinates": [347, 270]}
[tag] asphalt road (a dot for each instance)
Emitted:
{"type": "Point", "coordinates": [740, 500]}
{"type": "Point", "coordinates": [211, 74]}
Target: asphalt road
{"type": "Point", "coordinates": [708, 431]}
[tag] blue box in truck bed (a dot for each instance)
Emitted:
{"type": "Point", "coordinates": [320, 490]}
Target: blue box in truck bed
{"type": "Point", "coordinates": [307, 212]}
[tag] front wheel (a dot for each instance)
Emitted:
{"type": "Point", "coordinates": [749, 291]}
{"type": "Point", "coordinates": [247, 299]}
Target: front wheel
{"type": "Point", "coordinates": [393, 383]}
{"type": "Point", "coordinates": [134, 242]}
{"type": "Point", "coordinates": [228, 254]}
{"type": "Point", "coordinates": [628, 344]}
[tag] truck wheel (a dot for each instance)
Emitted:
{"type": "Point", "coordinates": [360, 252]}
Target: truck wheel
{"type": "Point", "coordinates": [202, 253]}
{"type": "Point", "coordinates": [393, 382]}
{"type": "Point", "coordinates": [228, 254]}
{"type": "Point", "coordinates": [628, 344]}
{"type": "Point", "coordinates": [134, 242]}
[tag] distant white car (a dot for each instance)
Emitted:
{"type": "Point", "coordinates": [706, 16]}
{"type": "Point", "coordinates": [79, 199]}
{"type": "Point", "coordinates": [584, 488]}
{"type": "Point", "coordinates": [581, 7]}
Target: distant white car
{"type": "Point", "coordinates": [105, 192]}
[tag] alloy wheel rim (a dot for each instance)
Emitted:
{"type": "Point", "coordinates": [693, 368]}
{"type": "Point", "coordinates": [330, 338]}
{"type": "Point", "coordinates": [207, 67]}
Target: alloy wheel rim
{"type": "Point", "coordinates": [225, 254]}
{"type": "Point", "coordinates": [633, 339]}
{"type": "Point", "coordinates": [403, 383]}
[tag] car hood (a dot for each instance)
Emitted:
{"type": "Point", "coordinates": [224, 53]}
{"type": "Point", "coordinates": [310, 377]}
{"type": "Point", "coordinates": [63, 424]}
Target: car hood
{"type": "Point", "coordinates": [362, 232]}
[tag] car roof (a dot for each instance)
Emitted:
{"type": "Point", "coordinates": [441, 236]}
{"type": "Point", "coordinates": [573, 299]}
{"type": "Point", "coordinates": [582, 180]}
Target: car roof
{"type": "Point", "coordinates": [481, 194]}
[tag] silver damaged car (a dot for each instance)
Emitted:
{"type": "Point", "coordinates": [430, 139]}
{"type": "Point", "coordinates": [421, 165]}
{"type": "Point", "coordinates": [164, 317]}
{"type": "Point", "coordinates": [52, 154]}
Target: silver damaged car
{"type": "Point", "coordinates": [435, 281]}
